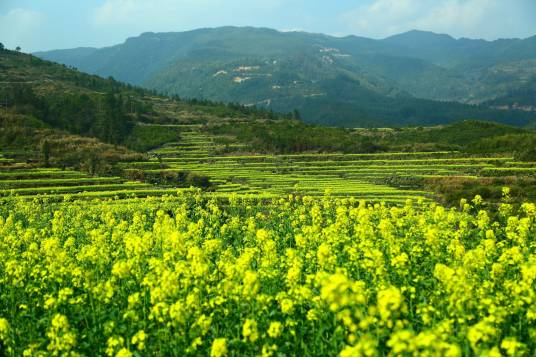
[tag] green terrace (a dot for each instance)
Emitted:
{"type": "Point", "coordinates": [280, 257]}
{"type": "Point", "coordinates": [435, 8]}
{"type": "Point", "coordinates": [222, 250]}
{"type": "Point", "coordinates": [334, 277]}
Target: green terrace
{"type": "Point", "coordinates": [361, 176]}
{"type": "Point", "coordinates": [355, 175]}
{"type": "Point", "coordinates": [24, 181]}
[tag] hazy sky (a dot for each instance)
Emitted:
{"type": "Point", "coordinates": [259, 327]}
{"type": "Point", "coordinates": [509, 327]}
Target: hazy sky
{"type": "Point", "coordinates": [50, 24]}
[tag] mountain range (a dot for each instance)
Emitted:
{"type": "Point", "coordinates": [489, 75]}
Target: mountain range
{"type": "Point", "coordinates": [415, 78]}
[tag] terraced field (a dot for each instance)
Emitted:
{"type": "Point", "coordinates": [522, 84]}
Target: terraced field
{"type": "Point", "coordinates": [4, 160]}
{"type": "Point", "coordinates": [362, 176]}
{"type": "Point", "coordinates": [356, 175]}
{"type": "Point", "coordinates": [21, 180]}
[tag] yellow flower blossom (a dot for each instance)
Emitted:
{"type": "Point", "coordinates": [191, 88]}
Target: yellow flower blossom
{"type": "Point", "coordinates": [4, 329]}
{"type": "Point", "coordinates": [479, 333]}
{"type": "Point", "coordinates": [61, 338]}
{"type": "Point", "coordinates": [139, 340]}
{"type": "Point", "coordinates": [249, 330]}
{"type": "Point", "coordinates": [390, 300]}
{"type": "Point", "coordinates": [219, 348]}
{"type": "Point", "coordinates": [123, 352]}
{"type": "Point", "coordinates": [512, 347]}
{"type": "Point", "coordinates": [275, 329]}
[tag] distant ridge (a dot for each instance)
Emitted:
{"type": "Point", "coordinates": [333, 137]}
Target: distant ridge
{"type": "Point", "coordinates": [345, 81]}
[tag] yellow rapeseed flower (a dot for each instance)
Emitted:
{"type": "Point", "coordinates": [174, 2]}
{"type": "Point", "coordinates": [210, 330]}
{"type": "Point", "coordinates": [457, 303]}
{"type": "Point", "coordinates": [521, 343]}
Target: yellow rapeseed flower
{"type": "Point", "coordinates": [249, 330]}
{"type": "Point", "coordinates": [275, 329]}
{"type": "Point", "coordinates": [219, 348]}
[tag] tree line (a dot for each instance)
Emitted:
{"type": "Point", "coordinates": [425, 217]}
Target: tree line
{"type": "Point", "coordinates": [104, 116]}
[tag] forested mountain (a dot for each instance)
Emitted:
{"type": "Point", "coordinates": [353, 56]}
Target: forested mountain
{"type": "Point", "coordinates": [348, 81]}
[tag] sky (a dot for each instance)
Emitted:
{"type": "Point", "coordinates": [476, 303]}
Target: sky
{"type": "Point", "coordinates": [37, 25]}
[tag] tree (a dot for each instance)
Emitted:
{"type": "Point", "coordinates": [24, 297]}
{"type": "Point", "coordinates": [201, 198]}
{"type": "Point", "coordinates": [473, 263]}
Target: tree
{"type": "Point", "coordinates": [160, 161]}
{"type": "Point", "coordinates": [17, 48]}
{"type": "Point", "coordinates": [45, 150]}
{"type": "Point", "coordinates": [526, 155]}
{"type": "Point", "coordinates": [2, 46]}
{"type": "Point", "coordinates": [93, 163]}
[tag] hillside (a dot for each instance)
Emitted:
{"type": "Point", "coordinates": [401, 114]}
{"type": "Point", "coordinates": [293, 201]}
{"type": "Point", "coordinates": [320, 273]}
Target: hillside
{"type": "Point", "coordinates": [88, 122]}
{"type": "Point", "coordinates": [58, 120]}
{"type": "Point", "coordinates": [350, 81]}
{"type": "Point", "coordinates": [522, 98]}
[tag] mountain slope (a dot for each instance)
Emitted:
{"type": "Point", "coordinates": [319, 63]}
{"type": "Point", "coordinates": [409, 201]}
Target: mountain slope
{"type": "Point", "coordinates": [523, 98]}
{"type": "Point", "coordinates": [283, 71]}
{"type": "Point", "coordinates": [85, 118]}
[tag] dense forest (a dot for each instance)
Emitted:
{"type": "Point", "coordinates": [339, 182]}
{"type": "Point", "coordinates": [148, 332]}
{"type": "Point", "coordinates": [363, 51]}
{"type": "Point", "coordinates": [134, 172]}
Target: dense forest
{"type": "Point", "coordinates": [104, 116]}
